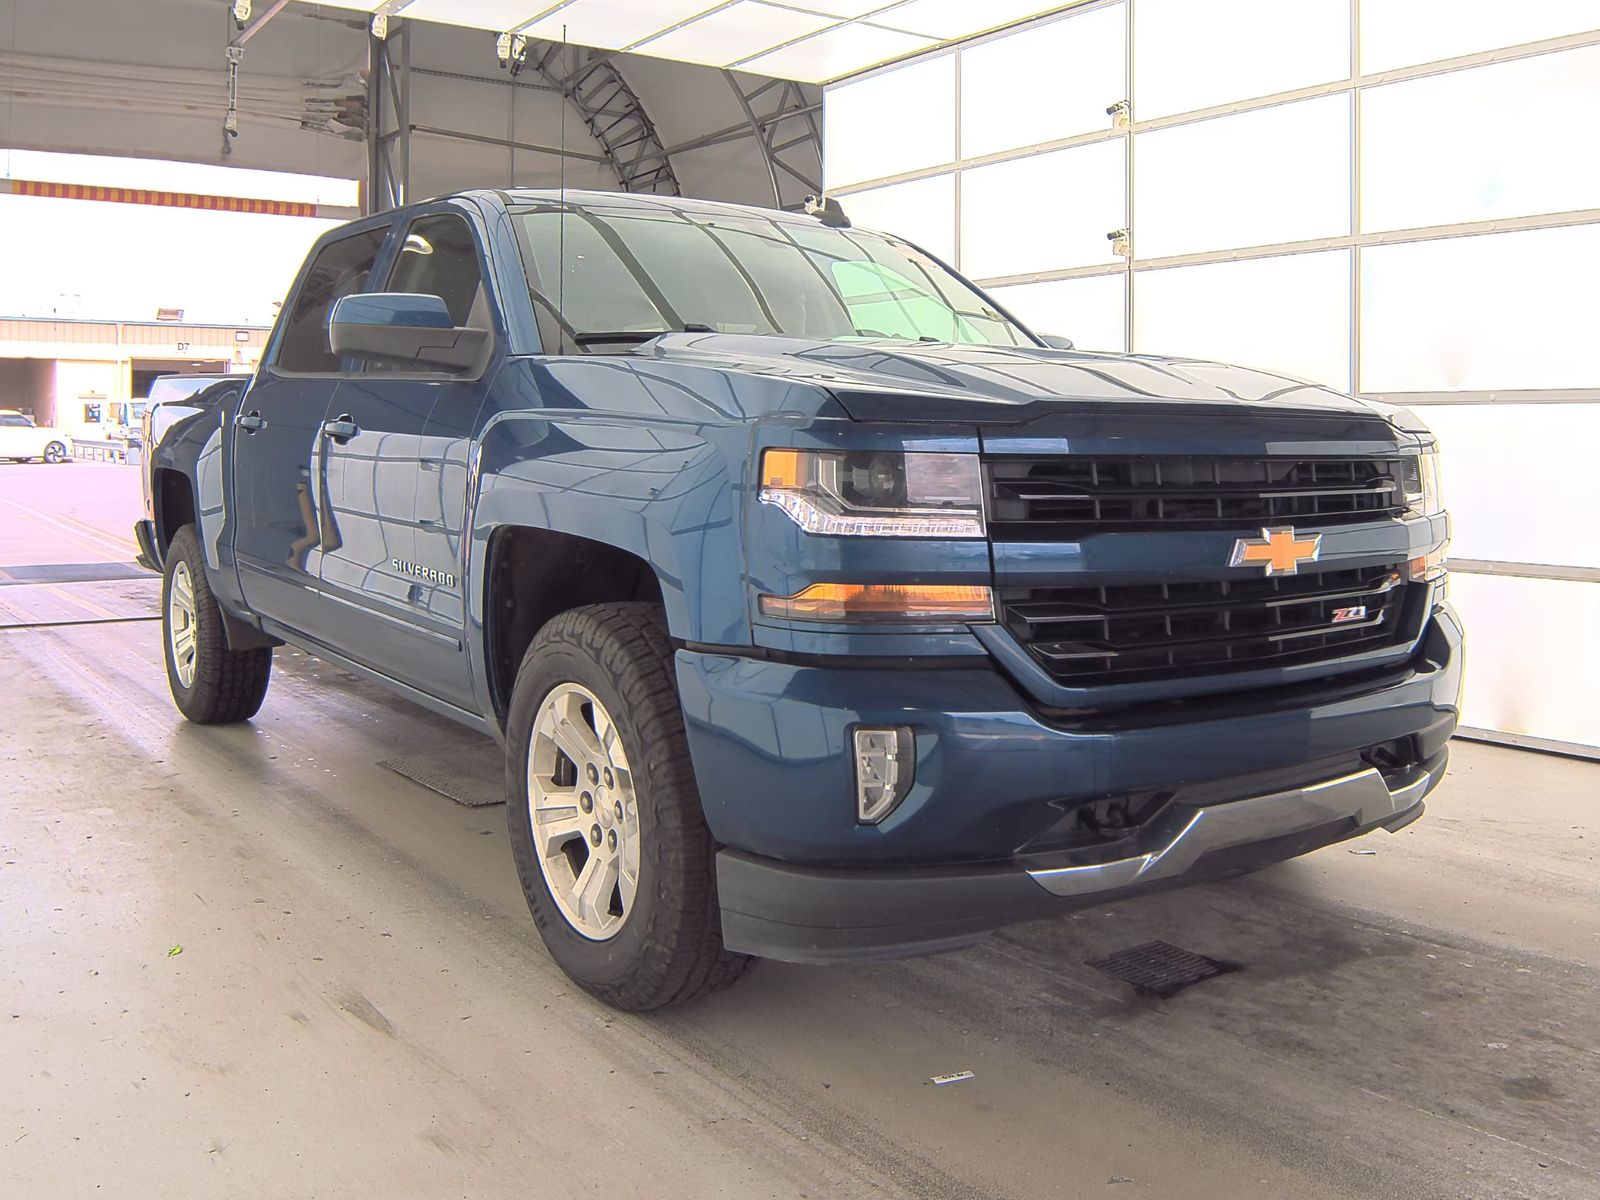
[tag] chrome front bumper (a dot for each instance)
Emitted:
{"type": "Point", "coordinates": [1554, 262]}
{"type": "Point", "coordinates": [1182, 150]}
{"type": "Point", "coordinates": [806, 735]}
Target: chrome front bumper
{"type": "Point", "coordinates": [1187, 834]}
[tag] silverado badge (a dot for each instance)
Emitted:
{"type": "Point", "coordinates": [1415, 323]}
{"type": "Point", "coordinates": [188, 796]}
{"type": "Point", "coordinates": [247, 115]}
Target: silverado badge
{"type": "Point", "coordinates": [418, 571]}
{"type": "Point", "coordinates": [1278, 550]}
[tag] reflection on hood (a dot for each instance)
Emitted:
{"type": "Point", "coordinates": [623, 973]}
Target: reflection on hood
{"type": "Point", "coordinates": [1000, 377]}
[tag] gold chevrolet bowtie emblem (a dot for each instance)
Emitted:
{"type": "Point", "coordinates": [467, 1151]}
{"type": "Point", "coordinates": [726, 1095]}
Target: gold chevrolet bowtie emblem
{"type": "Point", "coordinates": [1278, 550]}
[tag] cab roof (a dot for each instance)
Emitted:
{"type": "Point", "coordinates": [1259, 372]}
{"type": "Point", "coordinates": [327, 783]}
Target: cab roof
{"type": "Point", "coordinates": [648, 201]}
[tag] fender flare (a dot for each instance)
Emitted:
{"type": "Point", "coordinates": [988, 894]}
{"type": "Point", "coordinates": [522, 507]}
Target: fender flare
{"type": "Point", "coordinates": [669, 500]}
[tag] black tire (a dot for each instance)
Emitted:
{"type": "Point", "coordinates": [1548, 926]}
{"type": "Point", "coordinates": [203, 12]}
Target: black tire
{"type": "Point", "coordinates": [228, 685]}
{"type": "Point", "coordinates": [669, 948]}
{"type": "Point", "coordinates": [55, 452]}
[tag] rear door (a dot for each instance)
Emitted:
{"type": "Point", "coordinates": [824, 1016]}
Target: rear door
{"type": "Point", "coordinates": [397, 477]}
{"type": "Point", "coordinates": [279, 487]}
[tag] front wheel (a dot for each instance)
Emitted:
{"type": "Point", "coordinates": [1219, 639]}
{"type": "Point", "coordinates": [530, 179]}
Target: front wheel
{"type": "Point", "coordinates": [211, 684]}
{"type": "Point", "coordinates": [55, 452]}
{"type": "Point", "coordinates": [611, 846]}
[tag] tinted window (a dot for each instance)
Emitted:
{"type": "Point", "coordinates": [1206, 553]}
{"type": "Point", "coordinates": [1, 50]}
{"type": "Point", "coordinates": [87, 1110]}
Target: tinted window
{"type": "Point", "coordinates": [339, 269]}
{"type": "Point", "coordinates": [582, 278]}
{"type": "Point", "coordinates": [613, 270]}
{"type": "Point", "coordinates": [14, 419]}
{"type": "Point", "coordinates": [701, 281]}
{"type": "Point", "coordinates": [440, 258]}
{"type": "Point", "coordinates": [886, 302]}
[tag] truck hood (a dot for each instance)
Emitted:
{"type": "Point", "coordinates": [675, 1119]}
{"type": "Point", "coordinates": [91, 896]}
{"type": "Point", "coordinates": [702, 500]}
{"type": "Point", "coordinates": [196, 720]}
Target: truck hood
{"type": "Point", "coordinates": [900, 381]}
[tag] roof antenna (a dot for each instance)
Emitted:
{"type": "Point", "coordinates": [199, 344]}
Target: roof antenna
{"type": "Point", "coordinates": [561, 217]}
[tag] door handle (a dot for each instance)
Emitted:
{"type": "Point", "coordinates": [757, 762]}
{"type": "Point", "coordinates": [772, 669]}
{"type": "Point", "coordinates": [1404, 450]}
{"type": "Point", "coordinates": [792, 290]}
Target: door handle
{"type": "Point", "coordinates": [252, 420]}
{"type": "Point", "coordinates": [341, 430]}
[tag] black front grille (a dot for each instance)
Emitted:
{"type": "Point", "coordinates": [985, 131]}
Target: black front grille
{"type": "Point", "coordinates": [1119, 633]}
{"type": "Point", "coordinates": [1072, 496]}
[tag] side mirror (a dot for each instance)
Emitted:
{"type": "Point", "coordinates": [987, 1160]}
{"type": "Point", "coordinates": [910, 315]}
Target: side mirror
{"type": "Point", "coordinates": [405, 330]}
{"type": "Point", "coordinates": [1056, 342]}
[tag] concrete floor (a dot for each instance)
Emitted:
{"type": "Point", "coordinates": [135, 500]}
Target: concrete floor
{"type": "Point", "coordinates": [361, 1006]}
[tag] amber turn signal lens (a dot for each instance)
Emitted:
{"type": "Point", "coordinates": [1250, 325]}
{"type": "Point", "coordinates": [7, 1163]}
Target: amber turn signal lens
{"type": "Point", "coordinates": [882, 602]}
{"type": "Point", "coordinates": [782, 469]}
{"type": "Point", "coordinates": [1428, 567]}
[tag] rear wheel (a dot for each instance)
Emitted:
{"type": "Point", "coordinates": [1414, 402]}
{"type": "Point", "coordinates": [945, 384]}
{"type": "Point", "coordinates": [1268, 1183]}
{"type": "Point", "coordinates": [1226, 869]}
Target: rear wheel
{"type": "Point", "coordinates": [55, 452]}
{"type": "Point", "coordinates": [211, 684]}
{"type": "Point", "coordinates": [611, 846]}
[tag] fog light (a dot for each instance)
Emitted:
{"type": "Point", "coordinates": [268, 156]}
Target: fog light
{"type": "Point", "coordinates": [885, 766]}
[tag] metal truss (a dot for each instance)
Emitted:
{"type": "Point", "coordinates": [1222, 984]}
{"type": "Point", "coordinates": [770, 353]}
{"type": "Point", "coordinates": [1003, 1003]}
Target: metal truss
{"type": "Point", "coordinates": [388, 118]}
{"type": "Point", "coordinates": [783, 120]}
{"type": "Point", "coordinates": [594, 87]}
{"type": "Point", "coordinates": [781, 116]}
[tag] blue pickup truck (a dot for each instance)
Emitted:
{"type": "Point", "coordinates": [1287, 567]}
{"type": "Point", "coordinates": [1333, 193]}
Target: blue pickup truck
{"type": "Point", "coordinates": [824, 611]}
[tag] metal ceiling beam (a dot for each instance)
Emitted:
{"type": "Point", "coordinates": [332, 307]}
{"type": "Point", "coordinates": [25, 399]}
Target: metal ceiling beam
{"type": "Point", "coordinates": [733, 133]}
{"type": "Point", "coordinates": [485, 139]}
{"type": "Point", "coordinates": [388, 181]}
{"type": "Point", "coordinates": [797, 159]}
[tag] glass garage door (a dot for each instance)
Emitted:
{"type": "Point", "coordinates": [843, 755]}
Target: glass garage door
{"type": "Point", "coordinates": [1395, 197]}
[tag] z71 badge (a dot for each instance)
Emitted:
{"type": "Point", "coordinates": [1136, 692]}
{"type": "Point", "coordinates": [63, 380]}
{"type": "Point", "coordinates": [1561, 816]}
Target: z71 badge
{"type": "Point", "coordinates": [417, 571]}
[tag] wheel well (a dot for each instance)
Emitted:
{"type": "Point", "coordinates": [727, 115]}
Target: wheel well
{"type": "Point", "coordinates": [536, 574]}
{"type": "Point", "coordinates": [174, 503]}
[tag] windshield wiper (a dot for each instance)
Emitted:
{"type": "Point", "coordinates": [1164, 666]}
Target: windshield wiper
{"type": "Point", "coordinates": [636, 336]}
{"type": "Point", "coordinates": [618, 336]}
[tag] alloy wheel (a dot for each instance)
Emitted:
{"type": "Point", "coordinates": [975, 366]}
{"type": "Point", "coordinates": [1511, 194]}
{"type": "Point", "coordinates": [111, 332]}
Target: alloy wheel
{"type": "Point", "coordinates": [182, 630]}
{"type": "Point", "coordinates": [583, 811]}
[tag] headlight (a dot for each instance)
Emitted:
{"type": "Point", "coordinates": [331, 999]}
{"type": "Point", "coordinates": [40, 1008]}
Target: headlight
{"type": "Point", "coordinates": [1421, 481]}
{"type": "Point", "coordinates": [876, 493]}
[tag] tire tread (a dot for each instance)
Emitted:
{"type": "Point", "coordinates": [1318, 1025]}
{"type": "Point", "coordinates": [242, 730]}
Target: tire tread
{"type": "Point", "coordinates": [229, 685]}
{"type": "Point", "coordinates": [683, 957]}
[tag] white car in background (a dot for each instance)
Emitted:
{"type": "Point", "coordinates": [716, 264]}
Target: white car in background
{"type": "Point", "coordinates": [21, 439]}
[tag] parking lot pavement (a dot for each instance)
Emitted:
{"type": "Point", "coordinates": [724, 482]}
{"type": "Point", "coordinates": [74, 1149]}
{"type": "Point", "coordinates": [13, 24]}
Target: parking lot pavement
{"type": "Point", "coordinates": [251, 961]}
{"type": "Point", "coordinates": [73, 512]}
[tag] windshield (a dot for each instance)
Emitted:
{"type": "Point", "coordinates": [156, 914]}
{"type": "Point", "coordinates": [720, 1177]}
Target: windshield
{"type": "Point", "coordinates": [610, 272]}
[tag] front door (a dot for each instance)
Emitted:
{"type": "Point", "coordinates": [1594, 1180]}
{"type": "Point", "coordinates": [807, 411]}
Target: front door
{"type": "Point", "coordinates": [396, 443]}
{"type": "Point", "coordinates": [279, 485]}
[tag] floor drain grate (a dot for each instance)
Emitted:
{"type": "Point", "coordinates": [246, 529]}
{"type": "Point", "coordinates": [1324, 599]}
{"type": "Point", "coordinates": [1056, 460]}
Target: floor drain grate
{"type": "Point", "coordinates": [100, 572]}
{"type": "Point", "coordinates": [474, 778]}
{"type": "Point", "coordinates": [1161, 969]}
